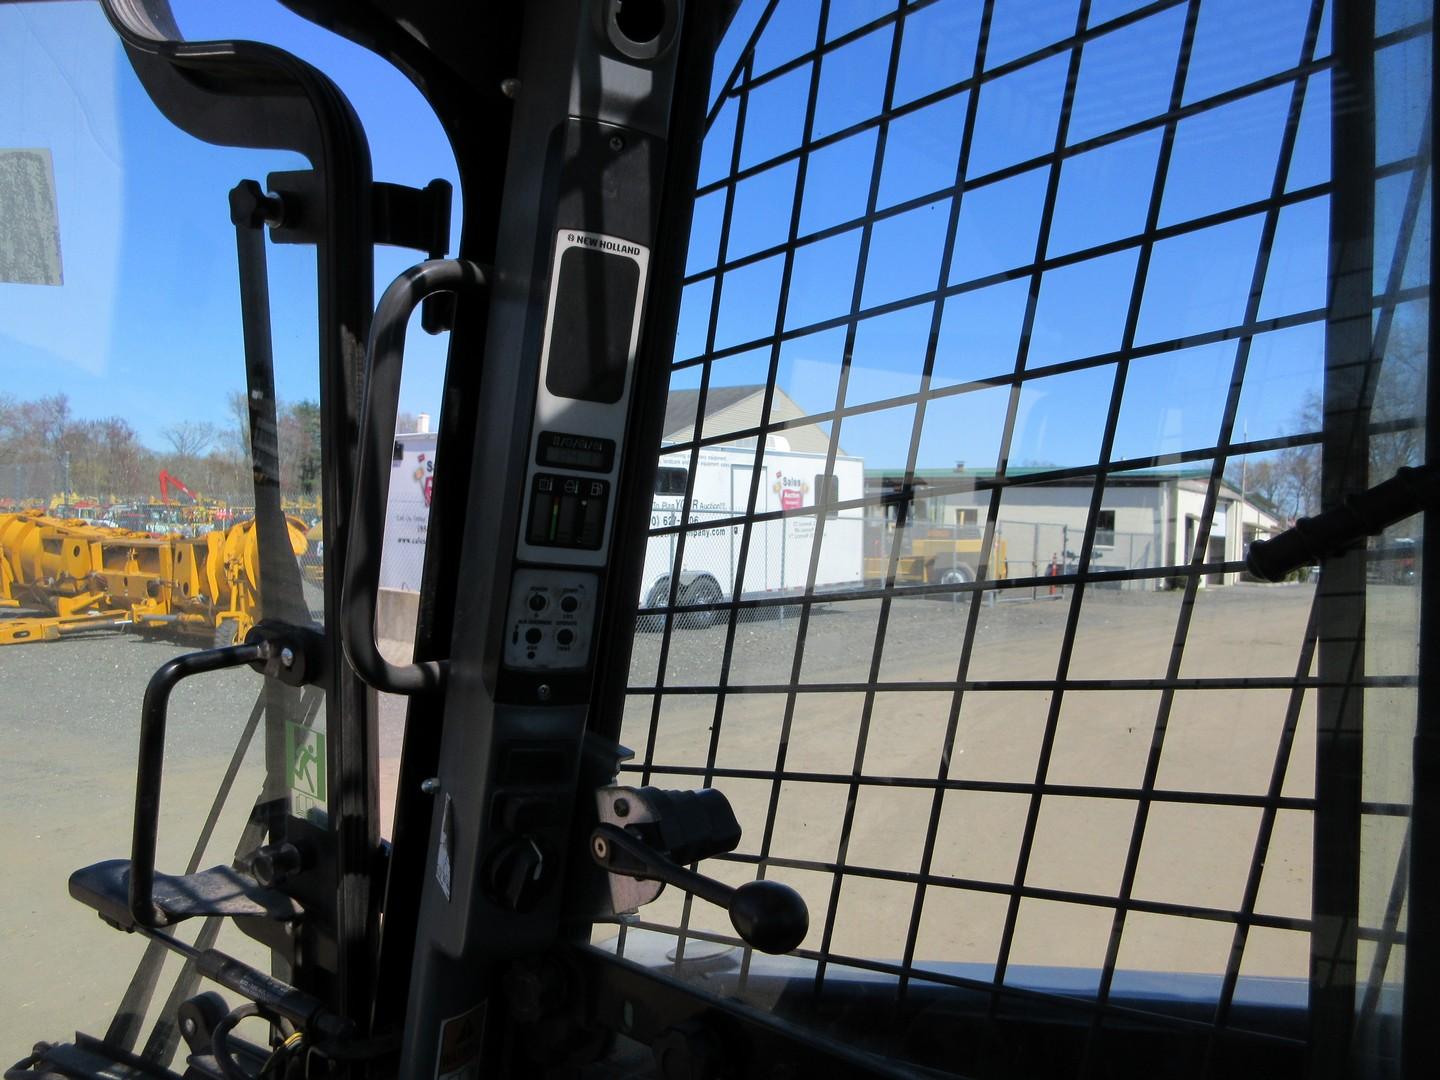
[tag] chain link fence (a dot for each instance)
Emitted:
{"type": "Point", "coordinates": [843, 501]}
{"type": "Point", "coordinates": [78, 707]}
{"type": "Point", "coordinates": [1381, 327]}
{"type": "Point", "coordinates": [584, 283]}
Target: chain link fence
{"type": "Point", "coordinates": [1039, 549]}
{"type": "Point", "coordinates": [24, 484]}
{"type": "Point", "coordinates": [401, 563]}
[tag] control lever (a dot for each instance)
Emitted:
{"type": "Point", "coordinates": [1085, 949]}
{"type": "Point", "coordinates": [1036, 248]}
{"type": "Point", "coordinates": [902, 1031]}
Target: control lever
{"type": "Point", "coordinates": [644, 836]}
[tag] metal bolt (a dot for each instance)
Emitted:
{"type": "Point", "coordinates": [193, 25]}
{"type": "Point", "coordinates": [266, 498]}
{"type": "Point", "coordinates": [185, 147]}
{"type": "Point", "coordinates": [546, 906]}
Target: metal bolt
{"type": "Point", "coordinates": [272, 210]}
{"type": "Point", "coordinates": [622, 807]}
{"type": "Point", "coordinates": [602, 847]}
{"type": "Point", "coordinates": [617, 143]}
{"type": "Point", "coordinates": [430, 785]}
{"type": "Point", "coordinates": [510, 87]}
{"type": "Point", "coordinates": [188, 1026]}
{"type": "Point", "coordinates": [543, 692]}
{"type": "Point", "coordinates": [287, 656]}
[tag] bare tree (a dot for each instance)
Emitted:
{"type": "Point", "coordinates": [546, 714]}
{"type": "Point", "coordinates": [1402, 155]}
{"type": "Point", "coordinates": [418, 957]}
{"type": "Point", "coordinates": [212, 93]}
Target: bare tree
{"type": "Point", "coordinates": [300, 449]}
{"type": "Point", "coordinates": [1399, 404]}
{"type": "Point", "coordinates": [190, 438]}
{"type": "Point", "coordinates": [107, 459]}
{"type": "Point", "coordinates": [236, 436]}
{"type": "Point", "coordinates": [1287, 479]}
{"type": "Point", "coordinates": [1290, 478]}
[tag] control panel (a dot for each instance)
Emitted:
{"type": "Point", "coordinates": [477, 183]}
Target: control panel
{"type": "Point", "coordinates": [552, 615]}
{"type": "Point", "coordinates": [592, 329]}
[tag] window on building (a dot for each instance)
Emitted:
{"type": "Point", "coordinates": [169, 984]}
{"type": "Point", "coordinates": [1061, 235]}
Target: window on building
{"type": "Point", "coordinates": [967, 515]}
{"type": "Point", "coordinates": [1105, 528]}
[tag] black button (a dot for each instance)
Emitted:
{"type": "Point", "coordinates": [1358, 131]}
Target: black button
{"type": "Point", "coordinates": [538, 601]}
{"type": "Point", "coordinates": [533, 635]}
{"type": "Point", "coordinates": [565, 637]}
{"type": "Point", "coordinates": [569, 603]}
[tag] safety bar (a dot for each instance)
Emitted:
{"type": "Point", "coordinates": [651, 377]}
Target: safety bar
{"type": "Point", "coordinates": [152, 761]}
{"type": "Point", "coordinates": [361, 584]}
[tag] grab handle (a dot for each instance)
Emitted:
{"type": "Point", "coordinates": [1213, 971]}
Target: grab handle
{"type": "Point", "coordinates": [361, 585]}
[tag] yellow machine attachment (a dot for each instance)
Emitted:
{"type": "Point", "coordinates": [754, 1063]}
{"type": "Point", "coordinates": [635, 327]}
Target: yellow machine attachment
{"type": "Point", "coordinates": [90, 577]}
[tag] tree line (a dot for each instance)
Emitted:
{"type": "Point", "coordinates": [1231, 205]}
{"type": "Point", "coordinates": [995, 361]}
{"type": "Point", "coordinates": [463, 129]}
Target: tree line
{"type": "Point", "coordinates": [47, 451]}
{"type": "Point", "coordinates": [1289, 479]}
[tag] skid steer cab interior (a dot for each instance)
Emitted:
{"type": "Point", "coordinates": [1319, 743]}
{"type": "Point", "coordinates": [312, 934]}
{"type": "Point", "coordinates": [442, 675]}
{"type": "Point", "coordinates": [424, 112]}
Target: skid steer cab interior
{"type": "Point", "coordinates": [857, 539]}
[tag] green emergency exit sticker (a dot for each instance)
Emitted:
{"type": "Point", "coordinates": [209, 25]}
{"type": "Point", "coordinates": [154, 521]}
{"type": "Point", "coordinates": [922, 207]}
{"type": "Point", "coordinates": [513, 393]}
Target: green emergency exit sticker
{"type": "Point", "coordinates": [305, 756]}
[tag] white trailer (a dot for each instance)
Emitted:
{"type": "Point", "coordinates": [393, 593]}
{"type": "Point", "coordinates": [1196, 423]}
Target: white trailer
{"type": "Point", "coordinates": [779, 554]}
{"type": "Point", "coordinates": [778, 559]}
{"type": "Point", "coordinates": [407, 514]}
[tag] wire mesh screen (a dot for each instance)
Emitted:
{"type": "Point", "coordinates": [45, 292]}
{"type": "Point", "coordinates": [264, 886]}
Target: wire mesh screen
{"type": "Point", "coordinates": [1004, 334]}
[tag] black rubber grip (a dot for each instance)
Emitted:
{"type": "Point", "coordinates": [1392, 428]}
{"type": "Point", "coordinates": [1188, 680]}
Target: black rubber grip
{"type": "Point", "coordinates": [1369, 513]}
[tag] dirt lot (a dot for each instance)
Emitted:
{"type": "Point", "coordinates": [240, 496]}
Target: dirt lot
{"type": "Point", "coordinates": [1217, 740]}
{"type": "Point", "coordinates": [69, 717]}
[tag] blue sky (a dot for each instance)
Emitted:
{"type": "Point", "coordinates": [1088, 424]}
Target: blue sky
{"type": "Point", "coordinates": [147, 324]}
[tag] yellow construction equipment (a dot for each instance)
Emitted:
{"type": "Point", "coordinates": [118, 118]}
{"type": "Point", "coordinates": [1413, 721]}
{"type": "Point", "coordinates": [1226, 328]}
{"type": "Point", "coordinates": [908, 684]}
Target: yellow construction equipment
{"type": "Point", "coordinates": [940, 555]}
{"type": "Point", "coordinates": [91, 577]}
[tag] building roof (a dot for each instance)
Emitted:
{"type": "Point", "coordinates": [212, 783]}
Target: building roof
{"type": "Point", "coordinates": [737, 409]}
{"type": "Point", "coordinates": [680, 406]}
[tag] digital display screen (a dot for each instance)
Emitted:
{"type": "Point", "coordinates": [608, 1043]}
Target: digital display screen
{"type": "Point", "coordinates": [596, 296]}
{"type": "Point", "coordinates": [575, 451]}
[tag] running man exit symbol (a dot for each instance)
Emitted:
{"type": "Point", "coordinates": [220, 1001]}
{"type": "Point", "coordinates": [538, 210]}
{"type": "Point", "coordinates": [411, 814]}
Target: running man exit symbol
{"type": "Point", "coordinates": [305, 751]}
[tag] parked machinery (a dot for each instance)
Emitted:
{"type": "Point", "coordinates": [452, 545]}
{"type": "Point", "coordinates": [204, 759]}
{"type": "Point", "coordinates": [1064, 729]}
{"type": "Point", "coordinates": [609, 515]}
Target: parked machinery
{"type": "Point", "coordinates": [97, 577]}
{"type": "Point", "coordinates": [938, 555]}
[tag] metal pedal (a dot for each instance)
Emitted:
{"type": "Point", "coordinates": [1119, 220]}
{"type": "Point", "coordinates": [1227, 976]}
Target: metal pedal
{"type": "Point", "coordinates": [221, 890]}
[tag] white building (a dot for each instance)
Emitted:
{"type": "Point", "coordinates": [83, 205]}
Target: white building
{"type": "Point", "coordinates": [1146, 519]}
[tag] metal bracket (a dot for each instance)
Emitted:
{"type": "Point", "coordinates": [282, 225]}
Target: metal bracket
{"type": "Point", "coordinates": [646, 833]}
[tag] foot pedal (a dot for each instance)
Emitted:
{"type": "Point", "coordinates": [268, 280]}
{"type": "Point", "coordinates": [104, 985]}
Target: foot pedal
{"type": "Point", "coordinates": [221, 890]}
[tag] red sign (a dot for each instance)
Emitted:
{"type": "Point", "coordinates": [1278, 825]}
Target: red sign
{"type": "Point", "coordinates": [791, 499]}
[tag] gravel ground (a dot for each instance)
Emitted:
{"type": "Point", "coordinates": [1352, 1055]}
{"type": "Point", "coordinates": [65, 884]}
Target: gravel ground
{"type": "Point", "coordinates": [69, 714]}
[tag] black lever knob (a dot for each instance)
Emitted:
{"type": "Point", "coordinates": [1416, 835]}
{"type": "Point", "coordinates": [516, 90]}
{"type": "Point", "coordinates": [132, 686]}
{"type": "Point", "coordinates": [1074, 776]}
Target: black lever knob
{"type": "Point", "coordinates": [767, 915]}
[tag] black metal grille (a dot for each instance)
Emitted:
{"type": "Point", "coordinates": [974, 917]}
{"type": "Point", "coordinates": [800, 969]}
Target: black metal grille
{"type": "Point", "coordinates": [755, 671]}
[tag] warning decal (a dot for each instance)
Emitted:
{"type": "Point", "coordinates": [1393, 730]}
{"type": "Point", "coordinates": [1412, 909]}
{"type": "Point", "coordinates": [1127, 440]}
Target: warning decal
{"type": "Point", "coordinates": [459, 1057]}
